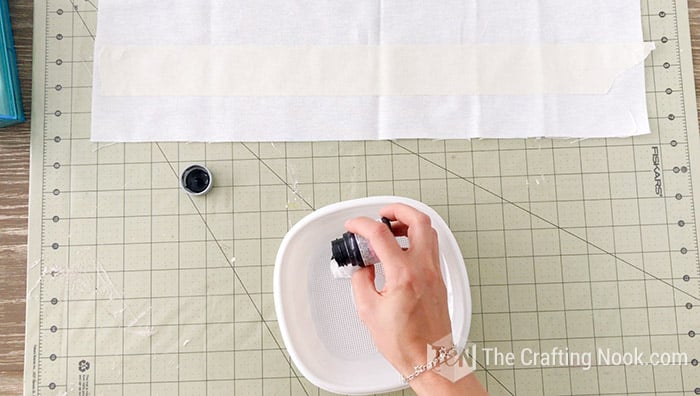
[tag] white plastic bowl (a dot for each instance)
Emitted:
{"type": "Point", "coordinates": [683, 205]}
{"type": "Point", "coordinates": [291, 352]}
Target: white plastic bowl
{"type": "Point", "coordinates": [316, 313]}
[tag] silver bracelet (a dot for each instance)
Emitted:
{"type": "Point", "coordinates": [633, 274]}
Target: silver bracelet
{"type": "Point", "coordinates": [444, 354]}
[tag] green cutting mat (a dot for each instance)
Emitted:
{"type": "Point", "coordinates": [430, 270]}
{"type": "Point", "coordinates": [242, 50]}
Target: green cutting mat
{"type": "Point", "coordinates": [136, 288]}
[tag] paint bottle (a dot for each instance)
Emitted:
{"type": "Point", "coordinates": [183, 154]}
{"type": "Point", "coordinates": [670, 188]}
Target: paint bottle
{"type": "Point", "coordinates": [354, 250]}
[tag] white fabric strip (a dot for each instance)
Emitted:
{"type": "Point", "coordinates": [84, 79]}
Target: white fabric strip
{"type": "Point", "coordinates": [162, 70]}
{"type": "Point", "coordinates": [365, 70]}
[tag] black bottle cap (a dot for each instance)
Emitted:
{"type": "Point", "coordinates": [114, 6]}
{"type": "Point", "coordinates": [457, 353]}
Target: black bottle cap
{"type": "Point", "coordinates": [196, 180]}
{"type": "Point", "coordinates": [346, 252]}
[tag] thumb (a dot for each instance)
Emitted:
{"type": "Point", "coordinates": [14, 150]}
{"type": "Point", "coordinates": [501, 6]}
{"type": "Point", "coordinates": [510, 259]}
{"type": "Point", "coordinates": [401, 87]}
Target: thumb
{"type": "Point", "coordinates": [363, 290]}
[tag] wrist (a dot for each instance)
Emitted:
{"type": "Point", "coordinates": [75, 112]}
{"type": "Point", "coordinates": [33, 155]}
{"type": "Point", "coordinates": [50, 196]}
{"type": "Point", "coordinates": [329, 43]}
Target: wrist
{"type": "Point", "coordinates": [444, 356]}
{"type": "Point", "coordinates": [414, 353]}
{"type": "Point", "coordinates": [408, 358]}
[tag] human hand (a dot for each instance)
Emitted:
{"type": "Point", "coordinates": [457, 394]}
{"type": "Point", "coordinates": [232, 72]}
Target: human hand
{"type": "Point", "coordinates": [411, 311]}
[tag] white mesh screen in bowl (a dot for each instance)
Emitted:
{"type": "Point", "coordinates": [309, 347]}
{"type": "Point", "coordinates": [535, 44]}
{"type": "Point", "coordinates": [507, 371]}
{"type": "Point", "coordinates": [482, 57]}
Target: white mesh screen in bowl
{"type": "Point", "coordinates": [334, 314]}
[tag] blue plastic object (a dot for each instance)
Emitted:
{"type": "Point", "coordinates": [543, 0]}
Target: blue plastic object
{"type": "Point", "coordinates": [11, 111]}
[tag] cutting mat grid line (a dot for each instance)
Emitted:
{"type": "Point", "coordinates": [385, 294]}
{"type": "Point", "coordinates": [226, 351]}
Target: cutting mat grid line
{"type": "Point", "coordinates": [239, 282]}
{"type": "Point", "coordinates": [572, 244]}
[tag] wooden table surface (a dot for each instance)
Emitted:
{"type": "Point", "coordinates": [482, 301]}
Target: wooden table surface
{"type": "Point", "coordinates": [14, 182]}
